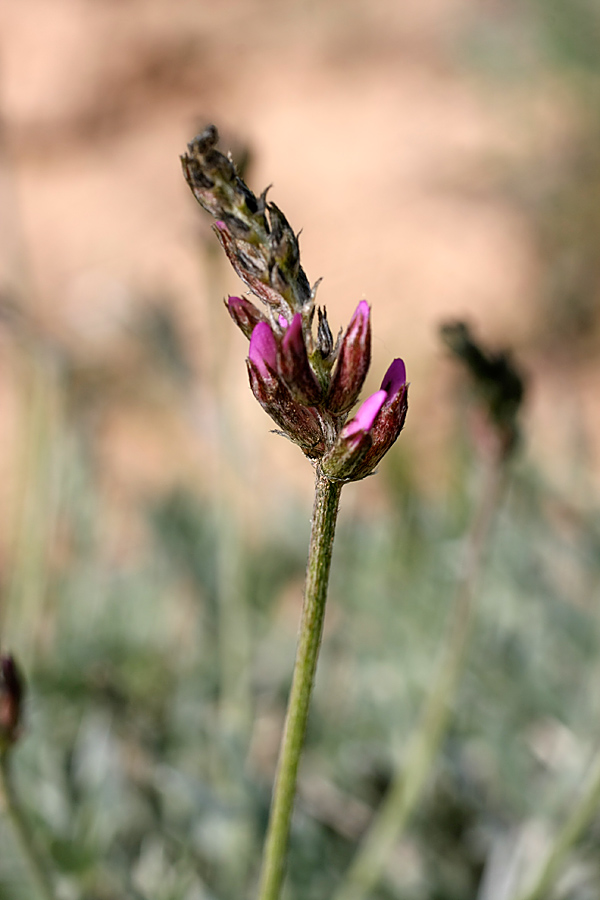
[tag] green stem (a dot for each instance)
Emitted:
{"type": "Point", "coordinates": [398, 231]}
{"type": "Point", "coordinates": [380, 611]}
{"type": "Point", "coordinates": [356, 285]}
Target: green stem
{"type": "Point", "coordinates": [35, 862]}
{"type": "Point", "coordinates": [327, 496]}
{"type": "Point", "coordinates": [580, 817]}
{"type": "Point", "coordinates": [390, 820]}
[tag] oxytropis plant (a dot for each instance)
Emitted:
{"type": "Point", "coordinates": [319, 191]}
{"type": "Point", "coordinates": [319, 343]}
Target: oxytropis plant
{"type": "Point", "coordinates": [308, 383]}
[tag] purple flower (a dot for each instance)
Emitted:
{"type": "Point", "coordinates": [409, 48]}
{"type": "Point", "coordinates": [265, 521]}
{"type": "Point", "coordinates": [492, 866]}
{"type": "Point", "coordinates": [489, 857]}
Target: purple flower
{"type": "Point", "coordinates": [263, 349]}
{"type": "Point", "coordinates": [295, 367]}
{"type": "Point", "coordinates": [367, 437]}
{"type": "Point", "coordinates": [394, 379]}
{"type": "Point", "coordinates": [390, 420]}
{"type": "Point", "coordinates": [299, 422]}
{"type": "Point", "coordinates": [366, 415]}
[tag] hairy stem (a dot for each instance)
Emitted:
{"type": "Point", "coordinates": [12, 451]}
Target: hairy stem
{"type": "Point", "coordinates": [31, 854]}
{"type": "Point", "coordinates": [390, 820]}
{"type": "Point", "coordinates": [327, 496]}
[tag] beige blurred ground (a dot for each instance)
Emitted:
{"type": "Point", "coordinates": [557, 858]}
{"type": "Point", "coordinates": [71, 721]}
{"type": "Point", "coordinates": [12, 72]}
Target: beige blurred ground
{"type": "Point", "coordinates": [380, 141]}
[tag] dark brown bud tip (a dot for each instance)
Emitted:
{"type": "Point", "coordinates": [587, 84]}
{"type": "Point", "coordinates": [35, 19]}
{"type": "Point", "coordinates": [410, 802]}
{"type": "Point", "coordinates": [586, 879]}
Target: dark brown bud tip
{"type": "Point", "coordinates": [204, 141]}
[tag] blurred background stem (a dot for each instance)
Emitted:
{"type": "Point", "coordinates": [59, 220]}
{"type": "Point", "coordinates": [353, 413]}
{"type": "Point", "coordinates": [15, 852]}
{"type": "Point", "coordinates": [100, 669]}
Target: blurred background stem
{"type": "Point", "coordinates": [36, 501]}
{"type": "Point", "coordinates": [235, 701]}
{"type": "Point", "coordinates": [327, 497]}
{"type": "Point", "coordinates": [580, 817]}
{"type": "Point", "coordinates": [31, 854]}
{"type": "Point", "coordinates": [390, 820]}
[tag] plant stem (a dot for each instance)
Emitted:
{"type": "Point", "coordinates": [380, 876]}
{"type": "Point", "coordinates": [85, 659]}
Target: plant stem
{"type": "Point", "coordinates": [578, 820]}
{"type": "Point", "coordinates": [327, 496]}
{"type": "Point", "coordinates": [406, 788]}
{"type": "Point", "coordinates": [35, 862]}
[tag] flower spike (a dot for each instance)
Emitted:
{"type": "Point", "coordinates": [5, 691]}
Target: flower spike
{"type": "Point", "coordinates": [307, 383]}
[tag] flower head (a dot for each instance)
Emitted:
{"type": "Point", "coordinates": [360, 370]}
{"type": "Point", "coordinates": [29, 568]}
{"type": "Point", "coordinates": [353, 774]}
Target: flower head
{"type": "Point", "coordinates": [307, 383]}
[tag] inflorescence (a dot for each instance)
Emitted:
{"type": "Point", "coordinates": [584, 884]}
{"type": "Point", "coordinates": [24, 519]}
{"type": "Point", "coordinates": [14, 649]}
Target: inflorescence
{"type": "Point", "coordinates": [306, 381]}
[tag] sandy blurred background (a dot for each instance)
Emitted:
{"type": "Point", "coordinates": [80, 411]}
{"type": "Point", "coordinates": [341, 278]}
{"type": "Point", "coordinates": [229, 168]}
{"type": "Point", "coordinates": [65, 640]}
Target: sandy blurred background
{"type": "Point", "coordinates": [411, 143]}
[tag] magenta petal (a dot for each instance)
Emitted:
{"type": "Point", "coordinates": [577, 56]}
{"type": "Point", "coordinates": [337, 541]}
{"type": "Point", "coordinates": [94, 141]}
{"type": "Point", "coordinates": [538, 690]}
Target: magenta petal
{"type": "Point", "coordinates": [363, 310]}
{"type": "Point", "coordinates": [394, 379]}
{"type": "Point", "coordinates": [263, 349]}
{"type": "Point", "coordinates": [366, 415]}
{"type": "Point", "coordinates": [282, 321]}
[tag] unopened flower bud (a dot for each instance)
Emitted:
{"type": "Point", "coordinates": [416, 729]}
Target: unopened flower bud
{"type": "Point", "coordinates": [248, 261]}
{"type": "Point", "coordinates": [295, 367]}
{"type": "Point", "coordinates": [298, 422]}
{"type": "Point", "coordinates": [255, 235]}
{"type": "Point", "coordinates": [286, 271]}
{"type": "Point", "coordinates": [245, 314]}
{"type": "Point", "coordinates": [11, 701]}
{"type": "Point", "coordinates": [353, 362]}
